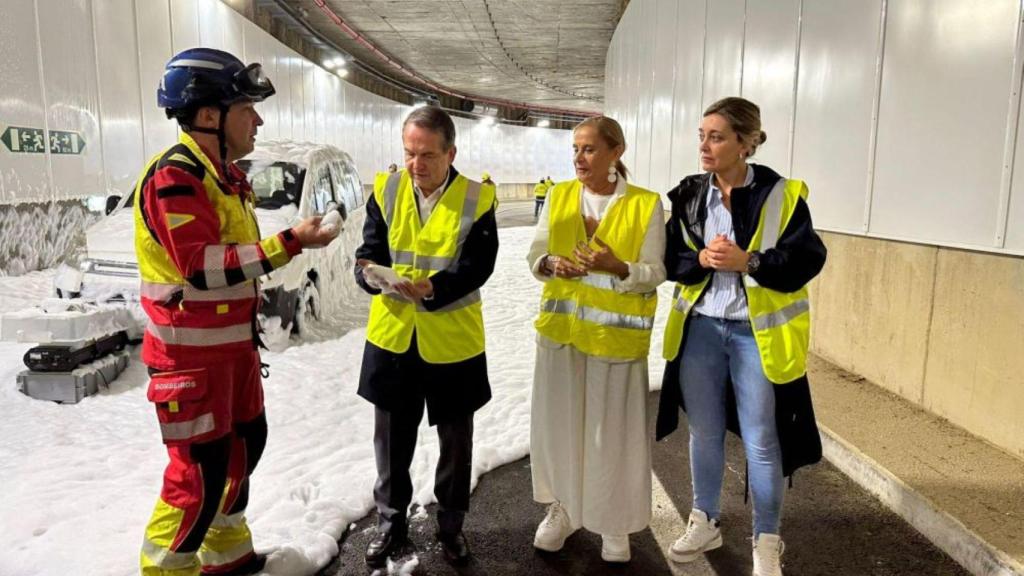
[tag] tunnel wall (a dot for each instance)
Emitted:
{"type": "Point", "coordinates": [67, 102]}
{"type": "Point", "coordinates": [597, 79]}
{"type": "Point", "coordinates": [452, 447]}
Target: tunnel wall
{"type": "Point", "coordinates": [903, 116]}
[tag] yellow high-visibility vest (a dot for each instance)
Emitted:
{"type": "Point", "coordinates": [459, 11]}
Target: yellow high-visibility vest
{"type": "Point", "coordinates": [418, 250]}
{"type": "Point", "coordinates": [587, 312]}
{"type": "Point", "coordinates": [237, 218]}
{"type": "Point", "coordinates": [540, 191]}
{"type": "Point", "coordinates": [781, 321]}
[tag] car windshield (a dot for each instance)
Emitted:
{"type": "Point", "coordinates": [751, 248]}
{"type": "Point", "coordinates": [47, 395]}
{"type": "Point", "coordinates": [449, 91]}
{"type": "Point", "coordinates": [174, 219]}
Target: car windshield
{"type": "Point", "coordinates": [275, 183]}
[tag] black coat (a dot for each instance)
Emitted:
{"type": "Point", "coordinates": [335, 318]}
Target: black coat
{"type": "Point", "coordinates": [796, 259]}
{"type": "Point", "coordinates": [392, 381]}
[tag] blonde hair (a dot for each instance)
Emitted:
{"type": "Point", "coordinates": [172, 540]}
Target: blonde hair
{"type": "Point", "coordinates": [744, 117]}
{"type": "Point", "coordinates": [611, 133]}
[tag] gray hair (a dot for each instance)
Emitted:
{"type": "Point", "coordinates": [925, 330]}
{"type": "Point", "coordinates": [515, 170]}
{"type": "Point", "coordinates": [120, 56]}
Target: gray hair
{"type": "Point", "coordinates": [434, 119]}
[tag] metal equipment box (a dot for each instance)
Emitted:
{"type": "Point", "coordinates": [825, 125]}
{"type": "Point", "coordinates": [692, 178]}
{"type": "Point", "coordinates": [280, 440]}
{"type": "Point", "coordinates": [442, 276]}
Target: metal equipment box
{"type": "Point", "coordinates": [71, 387]}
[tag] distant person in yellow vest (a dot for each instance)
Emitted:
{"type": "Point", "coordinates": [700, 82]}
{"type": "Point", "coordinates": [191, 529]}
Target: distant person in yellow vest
{"type": "Point", "coordinates": [429, 244]}
{"type": "Point", "coordinates": [742, 249]}
{"type": "Point", "coordinates": [540, 192]}
{"type": "Point", "coordinates": [485, 178]}
{"type": "Point", "coordinates": [392, 168]}
{"type": "Point", "coordinates": [598, 249]}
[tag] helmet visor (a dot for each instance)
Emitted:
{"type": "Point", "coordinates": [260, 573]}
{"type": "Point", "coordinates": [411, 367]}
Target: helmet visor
{"type": "Point", "coordinates": [252, 83]}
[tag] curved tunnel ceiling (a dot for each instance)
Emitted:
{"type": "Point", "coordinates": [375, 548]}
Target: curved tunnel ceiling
{"type": "Point", "coordinates": [545, 53]}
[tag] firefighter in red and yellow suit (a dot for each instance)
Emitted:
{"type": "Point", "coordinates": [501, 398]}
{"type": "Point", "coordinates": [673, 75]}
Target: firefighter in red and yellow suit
{"type": "Point", "coordinates": [200, 255]}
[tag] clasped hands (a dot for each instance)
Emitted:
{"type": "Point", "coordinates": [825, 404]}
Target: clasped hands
{"type": "Point", "coordinates": [585, 260]}
{"type": "Point", "coordinates": [412, 290]}
{"type": "Point", "coordinates": [724, 254]}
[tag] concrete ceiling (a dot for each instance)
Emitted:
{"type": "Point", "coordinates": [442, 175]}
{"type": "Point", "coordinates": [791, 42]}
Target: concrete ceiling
{"type": "Point", "coordinates": [544, 53]}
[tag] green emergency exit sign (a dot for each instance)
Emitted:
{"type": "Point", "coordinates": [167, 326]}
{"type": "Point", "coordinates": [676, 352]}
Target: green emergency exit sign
{"type": "Point", "coordinates": [24, 140]}
{"type": "Point", "coordinates": [36, 141]}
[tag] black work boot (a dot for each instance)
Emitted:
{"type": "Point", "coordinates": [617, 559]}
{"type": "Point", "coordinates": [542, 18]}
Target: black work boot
{"type": "Point", "coordinates": [455, 547]}
{"type": "Point", "coordinates": [383, 545]}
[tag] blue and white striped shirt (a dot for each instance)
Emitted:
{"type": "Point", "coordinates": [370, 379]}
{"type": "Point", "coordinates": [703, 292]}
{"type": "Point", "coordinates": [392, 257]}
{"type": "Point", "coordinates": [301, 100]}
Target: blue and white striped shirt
{"type": "Point", "coordinates": [725, 297]}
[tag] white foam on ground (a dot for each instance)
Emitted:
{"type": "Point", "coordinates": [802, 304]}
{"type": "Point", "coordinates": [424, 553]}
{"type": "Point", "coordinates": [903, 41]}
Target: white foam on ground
{"type": "Point", "coordinates": [79, 481]}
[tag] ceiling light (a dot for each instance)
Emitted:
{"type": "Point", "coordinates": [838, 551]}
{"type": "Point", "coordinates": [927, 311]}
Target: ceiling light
{"type": "Point", "coordinates": [343, 72]}
{"type": "Point", "coordinates": [419, 104]}
{"type": "Point", "coordinates": [544, 123]}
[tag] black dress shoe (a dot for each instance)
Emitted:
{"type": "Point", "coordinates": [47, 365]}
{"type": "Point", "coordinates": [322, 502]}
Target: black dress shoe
{"type": "Point", "coordinates": [455, 547]}
{"type": "Point", "coordinates": [254, 565]}
{"type": "Point", "coordinates": [382, 546]}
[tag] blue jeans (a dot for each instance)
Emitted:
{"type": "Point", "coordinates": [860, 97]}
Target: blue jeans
{"type": "Point", "coordinates": [717, 351]}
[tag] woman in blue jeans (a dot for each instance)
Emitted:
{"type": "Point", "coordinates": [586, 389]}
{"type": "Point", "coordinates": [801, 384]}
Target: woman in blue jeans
{"type": "Point", "coordinates": [741, 247]}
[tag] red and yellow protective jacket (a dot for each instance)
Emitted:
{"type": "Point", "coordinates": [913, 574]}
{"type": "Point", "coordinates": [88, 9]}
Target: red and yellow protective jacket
{"type": "Point", "coordinates": [200, 254]}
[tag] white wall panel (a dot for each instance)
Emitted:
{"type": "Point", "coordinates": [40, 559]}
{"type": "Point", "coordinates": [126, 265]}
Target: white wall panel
{"type": "Point", "coordinates": [723, 50]}
{"type": "Point", "coordinates": [631, 74]}
{"type": "Point", "coordinates": [153, 23]}
{"type": "Point", "coordinates": [298, 100]}
{"type": "Point", "coordinates": [23, 176]}
{"type": "Point", "coordinates": [689, 79]}
{"type": "Point", "coordinates": [72, 99]}
{"type": "Point", "coordinates": [663, 95]}
{"type": "Point", "coordinates": [184, 24]}
{"type": "Point", "coordinates": [942, 119]}
{"type": "Point", "coordinates": [308, 100]}
{"type": "Point", "coordinates": [769, 74]}
{"type": "Point", "coordinates": [231, 31]}
{"type": "Point", "coordinates": [835, 94]}
{"type": "Point", "coordinates": [641, 142]}
{"type": "Point", "coordinates": [119, 96]}
{"type": "Point", "coordinates": [1015, 217]}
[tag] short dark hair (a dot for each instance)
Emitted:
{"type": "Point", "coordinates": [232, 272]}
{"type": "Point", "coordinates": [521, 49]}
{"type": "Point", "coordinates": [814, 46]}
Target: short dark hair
{"type": "Point", "coordinates": [434, 119]}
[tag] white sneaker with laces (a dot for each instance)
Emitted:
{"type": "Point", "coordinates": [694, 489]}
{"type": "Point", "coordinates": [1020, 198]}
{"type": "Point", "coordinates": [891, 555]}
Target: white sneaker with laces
{"type": "Point", "coordinates": [702, 534]}
{"type": "Point", "coordinates": [615, 548]}
{"type": "Point", "coordinates": [553, 530]}
{"type": "Point", "coordinates": [768, 550]}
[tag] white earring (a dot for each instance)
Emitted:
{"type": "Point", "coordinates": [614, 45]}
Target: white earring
{"type": "Point", "coordinates": [613, 175]}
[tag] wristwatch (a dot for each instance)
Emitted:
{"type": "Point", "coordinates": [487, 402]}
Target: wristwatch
{"type": "Point", "coordinates": [754, 262]}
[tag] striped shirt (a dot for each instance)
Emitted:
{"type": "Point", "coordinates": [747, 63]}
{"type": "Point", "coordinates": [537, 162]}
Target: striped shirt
{"type": "Point", "coordinates": [725, 297]}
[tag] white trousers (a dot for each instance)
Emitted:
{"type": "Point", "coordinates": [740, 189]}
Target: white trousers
{"type": "Point", "coordinates": [589, 446]}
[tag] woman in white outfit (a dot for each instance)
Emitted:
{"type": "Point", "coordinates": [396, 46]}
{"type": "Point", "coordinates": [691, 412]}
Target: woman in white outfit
{"type": "Point", "coordinates": [599, 250]}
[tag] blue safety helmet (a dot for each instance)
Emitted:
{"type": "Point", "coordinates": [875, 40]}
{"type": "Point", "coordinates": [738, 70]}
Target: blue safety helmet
{"type": "Point", "coordinates": [208, 77]}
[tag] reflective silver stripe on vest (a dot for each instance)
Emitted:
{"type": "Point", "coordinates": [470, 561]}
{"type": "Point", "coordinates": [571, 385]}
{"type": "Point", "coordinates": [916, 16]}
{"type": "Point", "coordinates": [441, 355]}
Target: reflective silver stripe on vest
{"type": "Point", "coordinates": [773, 215]}
{"type": "Point", "coordinates": [677, 291]}
{"type": "Point", "coordinates": [467, 300]}
{"type": "Point", "coordinates": [187, 429]}
{"type": "Point", "coordinates": [429, 263]}
{"type": "Point", "coordinates": [597, 316]}
{"type": "Point", "coordinates": [213, 266]}
{"type": "Point", "coordinates": [403, 257]}
{"type": "Point", "coordinates": [201, 336]}
{"type": "Point", "coordinates": [249, 259]}
{"type": "Point", "coordinates": [468, 211]}
{"type": "Point", "coordinates": [213, 558]}
{"type": "Point", "coordinates": [683, 305]}
{"type": "Point", "coordinates": [167, 560]}
{"type": "Point", "coordinates": [390, 195]}
{"type": "Point", "coordinates": [782, 316]}
{"type": "Point", "coordinates": [159, 292]}
{"type": "Point", "coordinates": [243, 291]}
{"type": "Point", "coordinates": [599, 281]}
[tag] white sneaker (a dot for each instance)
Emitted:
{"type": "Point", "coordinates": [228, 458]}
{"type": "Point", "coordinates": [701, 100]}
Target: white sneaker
{"type": "Point", "coordinates": [701, 535]}
{"type": "Point", "coordinates": [615, 548]}
{"type": "Point", "coordinates": [553, 530]}
{"type": "Point", "coordinates": [768, 549]}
